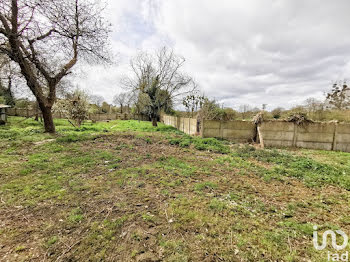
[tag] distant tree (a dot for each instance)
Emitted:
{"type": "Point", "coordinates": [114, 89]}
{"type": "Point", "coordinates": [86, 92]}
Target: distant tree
{"type": "Point", "coordinates": [6, 93]}
{"type": "Point", "coordinates": [96, 100]}
{"type": "Point", "coordinates": [209, 109]}
{"type": "Point", "coordinates": [245, 109]}
{"type": "Point", "coordinates": [228, 114]}
{"type": "Point", "coordinates": [312, 104]}
{"type": "Point", "coordinates": [7, 73]}
{"type": "Point", "coordinates": [74, 107]}
{"type": "Point", "coordinates": [94, 109]}
{"type": "Point", "coordinates": [193, 102]}
{"type": "Point", "coordinates": [277, 112]}
{"type": "Point", "coordinates": [46, 39]}
{"type": "Point", "coordinates": [122, 99]}
{"type": "Point", "coordinates": [315, 108]}
{"type": "Point", "coordinates": [255, 110]}
{"type": "Point", "coordinates": [339, 96]}
{"type": "Point", "coordinates": [23, 103]}
{"type": "Point", "coordinates": [157, 81]}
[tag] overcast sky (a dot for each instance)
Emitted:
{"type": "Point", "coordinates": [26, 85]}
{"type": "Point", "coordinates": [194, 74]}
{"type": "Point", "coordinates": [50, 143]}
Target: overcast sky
{"type": "Point", "coordinates": [275, 52]}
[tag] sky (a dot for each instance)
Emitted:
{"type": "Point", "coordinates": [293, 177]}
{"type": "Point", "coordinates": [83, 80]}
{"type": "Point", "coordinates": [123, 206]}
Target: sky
{"type": "Point", "coordinates": [274, 52]}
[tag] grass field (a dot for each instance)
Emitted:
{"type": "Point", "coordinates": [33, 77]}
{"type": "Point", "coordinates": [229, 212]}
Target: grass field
{"type": "Point", "coordinates": [126, 191]}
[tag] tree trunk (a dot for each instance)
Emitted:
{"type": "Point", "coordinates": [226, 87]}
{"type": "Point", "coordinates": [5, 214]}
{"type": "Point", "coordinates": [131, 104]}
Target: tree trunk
{"type": "Point", "coordinates": [154, 121]}
{"type": "Point", "coordinates": [121, 108]}
{"type": "Point", "coordinates": [48, 119]}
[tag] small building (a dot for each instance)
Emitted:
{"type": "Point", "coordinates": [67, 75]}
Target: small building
{"type": "Point", "coordinates": [3, 113]}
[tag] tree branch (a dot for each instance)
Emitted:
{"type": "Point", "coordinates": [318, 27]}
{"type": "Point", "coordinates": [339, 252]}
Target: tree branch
{"type": "Point", "coordinates": [42, 37]}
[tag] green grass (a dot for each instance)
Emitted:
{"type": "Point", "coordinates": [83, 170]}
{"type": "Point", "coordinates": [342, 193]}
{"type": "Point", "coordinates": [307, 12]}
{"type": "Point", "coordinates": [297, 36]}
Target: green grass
{"type": "Point", "coordinates": [205, 186]}
{"type": "Point", "coordinates": [312, 172]}
{"type": "Point", "coordinates": [128, 191]}
{"type": "Point", "coordinates": [205, 144]}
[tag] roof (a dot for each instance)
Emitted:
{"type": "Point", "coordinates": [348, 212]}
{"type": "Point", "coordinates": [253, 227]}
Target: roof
{"type": "Point", "coordinates": [4, 106]}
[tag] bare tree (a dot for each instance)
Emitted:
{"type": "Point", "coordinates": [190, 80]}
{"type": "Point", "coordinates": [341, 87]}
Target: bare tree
{"type": "Point", "coordinates": [315, 108]}
{"type": "Point", "coordinates": [96, 100]}
{"type": "Point", "coordinates": [157, 81]}
{"type": "Point", "coordinates": [46, 39]}
{"type": "Point", "coordinates": [121, 99]}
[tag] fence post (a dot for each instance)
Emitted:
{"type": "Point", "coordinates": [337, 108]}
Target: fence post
{"type": "Point", "coordinates": [201, 127]}
{"type": "Point", "coordinates": [334, 144]}
{"type": "Point", "coordinates": [295, 136]}
{"type": "Point", "coordinates": [221, 130]}
{"type": "Point", "coordinates": [189, 126]}
{"type": "Point", "coordinates": [261, 139]}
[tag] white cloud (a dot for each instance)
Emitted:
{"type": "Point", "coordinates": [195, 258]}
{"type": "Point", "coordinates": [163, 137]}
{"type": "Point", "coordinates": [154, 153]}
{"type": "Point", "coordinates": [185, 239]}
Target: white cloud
{"type": "Point", "coordinates": [277, 52]}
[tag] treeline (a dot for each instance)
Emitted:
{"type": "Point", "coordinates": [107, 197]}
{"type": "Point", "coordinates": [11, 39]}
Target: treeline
{"type": "Point", "coordinates": [334, 107]}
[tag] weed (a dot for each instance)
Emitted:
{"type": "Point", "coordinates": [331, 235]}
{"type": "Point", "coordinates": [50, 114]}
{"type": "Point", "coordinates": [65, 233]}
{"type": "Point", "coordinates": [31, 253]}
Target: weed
{"type": "Point", "coordinates": [20, 249]}
{"type": "Point", "coordinates": [51, 241]}
{"type": "Point", "coordinates": [217, 204]}
{"type": "Point", "coordinates": [148, 217]}
{"type": "Point", "coordinates": [205, 185]}
{"type": "Point", "coordinates": [76, 216]}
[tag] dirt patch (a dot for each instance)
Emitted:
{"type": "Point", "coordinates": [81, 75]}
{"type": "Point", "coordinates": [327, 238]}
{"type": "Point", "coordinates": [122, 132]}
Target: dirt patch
{"type": "Point", "coordinates": [44, 142]}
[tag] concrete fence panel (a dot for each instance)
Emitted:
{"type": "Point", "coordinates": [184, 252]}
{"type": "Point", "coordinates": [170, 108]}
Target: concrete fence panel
{"type": "Point", "coordinates": [186, 125]}
{"type": "Point", "coordinates": [342, 138]}
{"type": "Point", "coordinates": [239, 131]}
{"type": "Point", "coordinates": [210, 128]}
{"type": "Point", "coordinates": [278, 133]}
{"type": "Point", "coordinates": [193, 126]}
{"type": "Point", "coordinates": [316, 136]}
{"type": "Point", "coordinates": [326, 136]}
